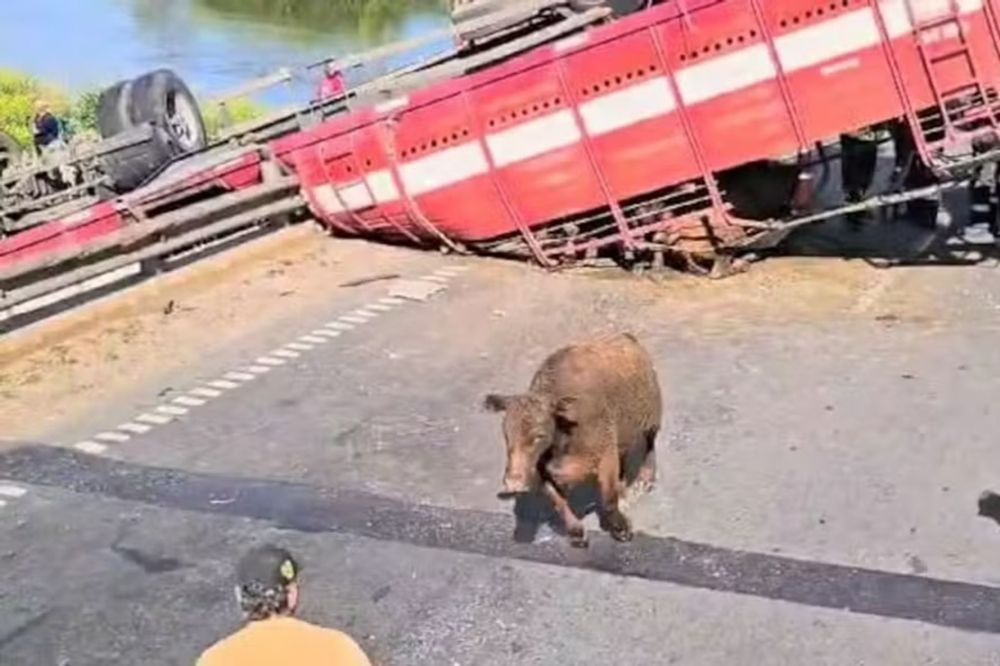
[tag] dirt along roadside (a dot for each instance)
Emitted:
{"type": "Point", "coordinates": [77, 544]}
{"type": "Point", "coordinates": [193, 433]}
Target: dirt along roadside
{"type": "Point", "coordinates": [59, 370]}
{"type": "Point", "coordinates": [56, 370]}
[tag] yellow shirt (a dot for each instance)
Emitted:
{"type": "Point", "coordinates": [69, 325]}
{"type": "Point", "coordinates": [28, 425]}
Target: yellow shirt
{"type": "Point", "coordinates": [285, 640]}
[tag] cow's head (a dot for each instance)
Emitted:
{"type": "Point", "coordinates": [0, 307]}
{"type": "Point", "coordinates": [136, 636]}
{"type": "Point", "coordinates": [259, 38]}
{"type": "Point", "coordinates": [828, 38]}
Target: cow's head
{"type": "Point", "coordinates": [531, 425]}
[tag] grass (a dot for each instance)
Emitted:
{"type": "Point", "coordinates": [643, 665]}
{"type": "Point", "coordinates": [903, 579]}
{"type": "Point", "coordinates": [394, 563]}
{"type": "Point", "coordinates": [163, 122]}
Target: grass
{"type": "Point", "coordinates": [18, 95]}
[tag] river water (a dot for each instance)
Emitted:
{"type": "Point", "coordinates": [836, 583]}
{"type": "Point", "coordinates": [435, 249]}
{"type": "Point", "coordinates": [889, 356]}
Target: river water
{"type": "Point", "coordinates": [213, 44]}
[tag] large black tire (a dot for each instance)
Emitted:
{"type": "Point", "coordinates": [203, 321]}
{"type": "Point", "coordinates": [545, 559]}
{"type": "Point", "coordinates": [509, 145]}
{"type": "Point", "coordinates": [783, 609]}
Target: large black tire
{"type": "Point", "coordinates": [113, 109]}
{"type": "Point", "coordinates": [131, 167]}
{"type": "Point", "coordinates": [9, 150]}
{"type": "Point", "coordinates": [163, 99]}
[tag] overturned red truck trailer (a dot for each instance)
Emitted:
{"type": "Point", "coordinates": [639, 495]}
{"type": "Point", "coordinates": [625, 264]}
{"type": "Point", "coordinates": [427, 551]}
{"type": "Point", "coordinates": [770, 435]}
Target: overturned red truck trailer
{"type": "Point", "coordinates": [682, 128]}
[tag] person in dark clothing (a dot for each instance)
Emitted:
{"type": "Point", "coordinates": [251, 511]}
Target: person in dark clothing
{"type": "Point", "coordinates": [47, 126]}
{"type": "Point", "coordinates": [859, 153]}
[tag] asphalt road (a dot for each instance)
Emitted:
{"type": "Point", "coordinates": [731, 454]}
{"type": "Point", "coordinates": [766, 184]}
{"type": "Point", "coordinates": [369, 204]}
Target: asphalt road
{"type": "Point", "coordinates": [830, 427]}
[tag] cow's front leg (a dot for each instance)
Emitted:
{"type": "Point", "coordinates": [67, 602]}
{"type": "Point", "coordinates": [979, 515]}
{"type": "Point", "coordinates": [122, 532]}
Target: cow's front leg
{"type": "Point", "coordinates": [574, 526]}
{"type": "Point", "coordinates": [613, 521]}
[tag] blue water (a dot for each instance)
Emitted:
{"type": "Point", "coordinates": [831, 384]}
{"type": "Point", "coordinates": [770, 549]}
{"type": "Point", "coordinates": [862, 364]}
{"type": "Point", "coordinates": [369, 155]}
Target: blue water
{"type": "Point", "coordinates": [83, 44]}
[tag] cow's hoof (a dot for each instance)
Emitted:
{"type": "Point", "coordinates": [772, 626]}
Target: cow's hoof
{"type": "Point", "coordinates": [578, 539]}
{"type": "Point", "coordinates": [623, 534]}
{"type": "Point", "coordinates": [618, 526]}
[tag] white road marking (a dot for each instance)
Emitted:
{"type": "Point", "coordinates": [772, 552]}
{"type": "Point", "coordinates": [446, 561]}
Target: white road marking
{"type": "Point", "coordinates": [13, 491]}
{"type": "Point", "coordinates": [287, 353]}
{"type": "Point", "coordinates": [343, 326]}
{"type": "Point", "coordinates": [326, 332]}
{"type": "Point", "coordinates": [3, 503]}
{"type": "Point", "coordinates": [223, 384]}
{"type": "Point", "coordinates": [367, 314]}
{"type": "Point", "coordinates": [155, 419]}
{"type": "Point", "coordinates": [91, 447]}
{"type": "Point", "coordinates": [354, 320]}
{"type": "Point", "coordinates": [391, 300]}
{"type": "Point", "coordinates": [269, 360]}
{"type": "Point", "coordinates": [435, 278]}
{"type": "Point", "coordinates": [314, 339]}
{"type": "Point", "coordinates": [299, 346]}
{"type": "Point", "coordinates": [173, 410]}
{"type": "Point", "coordinates": [204, 392]}
{"type": "Point", "coordinates": [135, 428]}
{"type": "Point", "coordinates": [239, 376]}
{"type": "Point", "coordinates": [112, 436]}
{"type": "Point", "coordinates": [380, 307]}
{"type": "Point", "coordinates": [188, 401]}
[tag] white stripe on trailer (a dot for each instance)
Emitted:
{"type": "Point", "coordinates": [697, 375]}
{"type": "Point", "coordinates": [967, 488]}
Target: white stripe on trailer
{"type": "Point", "coordinates": [443, 168]}
{"type": "Point", "coordinates": [383, 186]}
{"type": "Point", "coordinates": [326, 198]}
{"type": "Point", "coordinates": [356, 196]}
{"type": "Point", "coordinates": [725, 74]}
{"type": "Point", "coordinates": [627, 106]}
{"type": "Point", "coordinates": [533, 138]}
{"type": "Point", "coordinates": [830, 39]}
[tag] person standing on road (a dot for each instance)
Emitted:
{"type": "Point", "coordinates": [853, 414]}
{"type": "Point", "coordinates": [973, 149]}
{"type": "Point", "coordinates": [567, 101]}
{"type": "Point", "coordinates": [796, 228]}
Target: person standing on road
{"type": "Point", "coordinates": [268, 593]}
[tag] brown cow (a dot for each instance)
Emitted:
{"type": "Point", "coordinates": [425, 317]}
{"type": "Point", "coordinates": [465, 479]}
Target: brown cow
{"type": "Point", "coordinates": [589, 409]}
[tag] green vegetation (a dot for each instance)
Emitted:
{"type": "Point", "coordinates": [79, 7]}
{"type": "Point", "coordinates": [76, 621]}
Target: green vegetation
{"type": "Point", "coordinates": [18, 95]}
{"type": "Point", "coordinates": [371, 21]}
{"type": "Point", "coordinates": [239, 110]}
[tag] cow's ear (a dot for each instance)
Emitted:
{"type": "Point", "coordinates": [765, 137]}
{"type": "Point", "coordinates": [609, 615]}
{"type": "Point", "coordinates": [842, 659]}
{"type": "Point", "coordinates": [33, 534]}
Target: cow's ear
{"type": "Point", "coordinates": [567, 410]}
{"type": "Point", "coordinates": [496, 402]}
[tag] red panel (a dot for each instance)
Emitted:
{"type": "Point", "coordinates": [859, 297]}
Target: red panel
{"type": "Point", "coordinates": [553, 184]}
{"type": "Point", "coordinates": [641, 156]}
{"type": "Point", "coordinates": [734, 124]}
{"type": "Point", "coordinates": [59, 235]}
{"type": "Point", "coordinates": [470, 208]}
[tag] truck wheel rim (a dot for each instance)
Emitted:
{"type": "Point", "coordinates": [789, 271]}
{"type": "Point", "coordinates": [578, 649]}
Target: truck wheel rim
{"type": "Point", "coordinates": [182, 120]}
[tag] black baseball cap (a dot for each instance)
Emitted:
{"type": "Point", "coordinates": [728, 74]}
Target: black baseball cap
{"type": "Point", "coordinates": [268, 566]}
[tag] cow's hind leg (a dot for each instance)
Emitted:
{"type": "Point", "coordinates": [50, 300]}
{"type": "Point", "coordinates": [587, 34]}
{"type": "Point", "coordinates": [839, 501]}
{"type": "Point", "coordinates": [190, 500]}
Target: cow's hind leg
{"type": "Point", "coordinates": [613, 521]}
{"type": "Point", "coordinates": [646, 478]}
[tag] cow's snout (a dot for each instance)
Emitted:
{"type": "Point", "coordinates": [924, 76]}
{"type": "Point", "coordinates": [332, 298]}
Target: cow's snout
{"type": "Point", "coordinates": [514, 484]}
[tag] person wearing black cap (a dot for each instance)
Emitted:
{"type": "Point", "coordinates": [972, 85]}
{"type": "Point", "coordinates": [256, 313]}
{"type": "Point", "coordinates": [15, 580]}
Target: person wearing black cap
{"type": "Point", "coordinates": [268, 593]}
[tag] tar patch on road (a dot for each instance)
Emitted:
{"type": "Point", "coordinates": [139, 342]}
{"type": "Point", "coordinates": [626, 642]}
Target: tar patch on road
{"type": "Point", "coordinates": [317, 509]}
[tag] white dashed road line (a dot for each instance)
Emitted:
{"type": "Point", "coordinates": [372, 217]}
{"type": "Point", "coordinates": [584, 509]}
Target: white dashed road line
{"type": "Point", "coordinates": [13, 492]}
{"type": "Point", "coordinates": [411, 290]}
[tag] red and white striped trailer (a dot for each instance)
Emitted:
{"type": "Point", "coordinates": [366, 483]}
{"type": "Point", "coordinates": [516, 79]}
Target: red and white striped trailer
{"type": "Point", "coordinates": [642, 135]}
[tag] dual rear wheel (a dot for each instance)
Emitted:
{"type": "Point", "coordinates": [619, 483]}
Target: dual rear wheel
{"type": "Point", "coordinates": [162, 101]}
